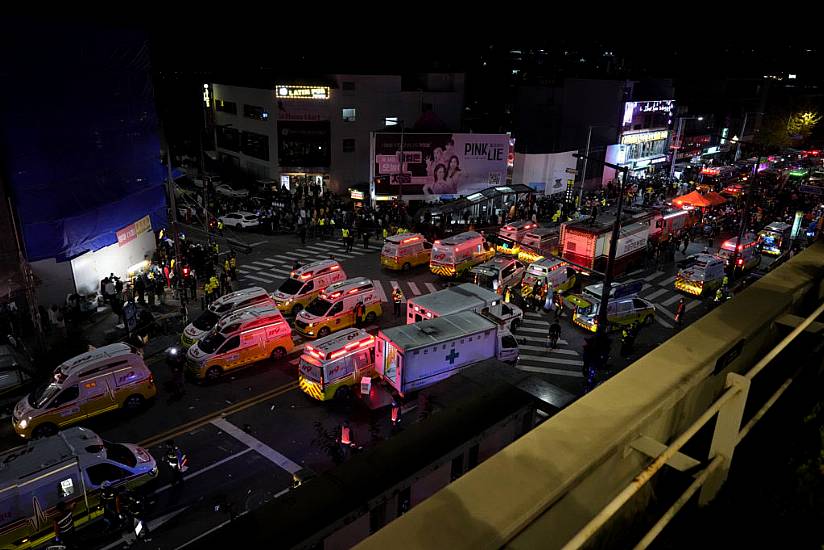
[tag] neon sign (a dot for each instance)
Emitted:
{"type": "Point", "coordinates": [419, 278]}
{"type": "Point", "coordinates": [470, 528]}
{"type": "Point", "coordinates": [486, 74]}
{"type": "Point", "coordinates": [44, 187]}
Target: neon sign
{"type": "Point", "coordinates": [302, 92]}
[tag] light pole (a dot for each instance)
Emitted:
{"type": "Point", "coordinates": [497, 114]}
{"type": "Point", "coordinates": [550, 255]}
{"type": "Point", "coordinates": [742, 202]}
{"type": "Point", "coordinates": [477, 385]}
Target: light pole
{"type": "Point", "coordinates": [741, 135]}
{"type": "Point", "coordinates": [677, 141]}
{"type": "Point", "coordinates": [585, 156]}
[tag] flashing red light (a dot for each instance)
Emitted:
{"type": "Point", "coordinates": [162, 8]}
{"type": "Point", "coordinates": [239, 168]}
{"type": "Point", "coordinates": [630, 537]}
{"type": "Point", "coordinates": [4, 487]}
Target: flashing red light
{"type": "Point", "coordinates": [334, 268]}
{"type": "Point", "coordinates": [410, 240]}
{"type": "Point", "coordinates": [335, 295]}
{"type": "Point", "coordinates": [509, 228]}
{"type": "Point", "coordinates": [185, 271]}
{"type": "Point", "coordinates": [740, 247]}
{"type": "Point", "coordinates": [354, 290]}
{"type": "Point", "coordinates": [339, 353]}
{"type": "Point", "coordinates": [305, 276]}
{"type": "Point", "coordinates": [740, 261]}
{"type": "Point", "coordinates": [437, 242]}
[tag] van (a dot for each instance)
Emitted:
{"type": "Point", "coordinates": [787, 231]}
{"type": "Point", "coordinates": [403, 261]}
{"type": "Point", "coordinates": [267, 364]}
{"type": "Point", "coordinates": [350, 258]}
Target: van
{"type": "Point", "coordinates": [775, 238]}
{"type": "Point", "coordinates": [454, 256]}
{"type": "Point", "coordinates": [334, 309]}
{"type": "Point", "coordinates": [620, 311]}
{"type": "Point", "coordinates": [330, 366]}
{"type": "Point", "coordinates": [512, 234]}
{"type": "Point", "coordinates": [539, 242]}
{"type": "Point", "coordinates": [305, 284]}
{"type": "Point", "coordinates": [748, 255]}
{"type": "Point", "coordinates": [405, 251]}
{"type": "Point", "coordinates": [224, 305]}
{"type": "Point", "coordinates": [556, 274]}
{"type": "Point", "coordinates": [616, 290]}
{"type": "Point", "coordinates": [101, 380]}
{"type": "Point", "coordinates": [68, 467]}
{"type": "Point", "coordinates": [240, 339]}
{"type": "Point", "coordinates": [499, 273]}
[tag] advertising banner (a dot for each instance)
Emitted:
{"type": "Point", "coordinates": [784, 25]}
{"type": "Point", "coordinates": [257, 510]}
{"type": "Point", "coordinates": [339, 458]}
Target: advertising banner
{"type": "Point", "coordinates": [442, 164]}
{"type": "Point", "coordinates": [133, 230]}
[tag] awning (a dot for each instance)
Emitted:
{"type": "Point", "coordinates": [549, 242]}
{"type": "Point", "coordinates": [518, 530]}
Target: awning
{"type": "Point", "coordinates": [695, 199]}
{"type": "Point", "coordinates": [715, 198]}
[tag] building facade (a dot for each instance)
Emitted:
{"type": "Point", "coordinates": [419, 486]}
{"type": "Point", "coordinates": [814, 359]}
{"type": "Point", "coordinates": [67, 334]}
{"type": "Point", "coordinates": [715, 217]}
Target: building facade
{"type": "Point", "coordinates": [318, 130]}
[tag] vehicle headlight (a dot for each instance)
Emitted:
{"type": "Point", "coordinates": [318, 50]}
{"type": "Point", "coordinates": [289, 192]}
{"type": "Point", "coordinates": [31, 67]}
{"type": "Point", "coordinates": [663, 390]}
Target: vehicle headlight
{"type": "Point", "coordinates": [23, 424]}
{"type": "Point", "coordinates": [311, 324]}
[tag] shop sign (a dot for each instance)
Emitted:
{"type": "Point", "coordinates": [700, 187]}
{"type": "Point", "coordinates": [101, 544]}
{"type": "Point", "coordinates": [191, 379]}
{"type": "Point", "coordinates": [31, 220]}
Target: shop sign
{"type": "Point", "coordinates": [134, 230]}
{"type": "Point", "coordinates": [644, 137]}
{"type": "Point", "coordinates": [284, 91]}
{"type": "Point", "coordinates": [356, 195]}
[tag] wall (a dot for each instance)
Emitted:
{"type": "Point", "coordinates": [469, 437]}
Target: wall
{"type": "Point", "coordinates": [90, 268]}
{"type": "Point", "coordinates": [544, 169]}
{"type": "Point", "coordinates": [55, 281]}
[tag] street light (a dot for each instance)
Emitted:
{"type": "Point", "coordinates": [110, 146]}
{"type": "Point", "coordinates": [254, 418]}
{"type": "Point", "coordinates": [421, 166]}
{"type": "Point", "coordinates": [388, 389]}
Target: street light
{"type": "Point", "coordinates": [677, 141]}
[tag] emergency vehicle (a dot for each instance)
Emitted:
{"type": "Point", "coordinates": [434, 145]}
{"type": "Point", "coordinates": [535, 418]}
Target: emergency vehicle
{"type": "Point", "coordinates": [775, 238]}
{"type": "Point", "coordinates": [702, 274]}
{"type": "Point", "coordinates": [588, 245]}
{"type": "Point", "coordinates": [456, 255]}
{"type": "Point", "coordinates": [330, 366]}
{"type": "Point", "coordinates": [498, 273]}
{"type": "Point", "coordinates": [511, 235]}
{"type": "Point", "coordinates": [463, 297]}
{"type": "Point", "coordinates": [538, 243]}
{"type": "Point", "coordinates": [747, 257]}
{"type": "Point", "coordinates": [224, 305]}
{"type": "Point", "coordinates": [335, 308]}
{"type": "Point", "coordinates": [405, 251]}
{"type": "Point", "coordinates": [556, 274]}
{"type": "Point", "coordinates": [305, 284]}
{"type": "Point", "coordinates": [620, 311]}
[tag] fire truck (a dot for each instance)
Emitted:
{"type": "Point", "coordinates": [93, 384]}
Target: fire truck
{"type": "Point", "coordinates": [587, 245]}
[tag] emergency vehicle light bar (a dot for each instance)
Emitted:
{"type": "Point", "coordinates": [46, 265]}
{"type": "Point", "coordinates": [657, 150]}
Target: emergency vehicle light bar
{"type": "Point", "coordinates": [410, 240]}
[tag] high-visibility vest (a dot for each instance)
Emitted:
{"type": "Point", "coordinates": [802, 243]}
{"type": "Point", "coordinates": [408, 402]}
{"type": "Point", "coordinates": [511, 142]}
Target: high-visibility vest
{"type": "Point", "coordinates": [322, 222]}
{"type": "Point", "coordinates": [233, 262]}
{"type": "Point", "coordinates": [385, 233]}
{"type": "Point", "coordinates": [219, 224]}
{"type": "Point", "coordinates": [226, 265]}
{"type": "Point", "coordinates": [344, 233]}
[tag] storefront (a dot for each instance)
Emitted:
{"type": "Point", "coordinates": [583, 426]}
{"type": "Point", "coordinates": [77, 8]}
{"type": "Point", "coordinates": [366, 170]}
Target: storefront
{"type": "Point", "coordinates": [643, 143]}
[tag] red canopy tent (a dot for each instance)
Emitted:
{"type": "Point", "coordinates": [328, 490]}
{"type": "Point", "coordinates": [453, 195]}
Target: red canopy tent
{"type": "Point", "coordinates": [694, 199]}
{"type": "Point", "coordinates": [715, 198]}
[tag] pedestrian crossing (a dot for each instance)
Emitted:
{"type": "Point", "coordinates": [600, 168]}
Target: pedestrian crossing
{"type": "Point", "coordinates": [659, 290]}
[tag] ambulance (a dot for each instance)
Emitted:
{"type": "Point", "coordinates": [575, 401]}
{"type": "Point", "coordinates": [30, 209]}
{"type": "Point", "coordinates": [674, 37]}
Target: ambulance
{"type": "Point", "coordinates": [748, 255]}
{"type": "Point", "coordinates": [498, 273]}
{"type": "Point", "coordinates": [405, 251]}
{"type": "Point", "coordinates": [456, 255]}
{"type": "Point", "coordinates": [238, 340]}
{"type": "Point", "coordinates": [330, 366]}
{"type": "Point", "coordinates": [556, 274]}
{"type": "Point", "coordinates": [305, 284]}
{"type": "Point", "coordinates": [224, 305]}
{"type": "Point", "coordinates": [334, 309]}
{"type": "Point", "coordinates": [512, 234]}
{"type": "Point", "coordinates": [701, 274]}
{"type": "Point", "coordinates": [538, 243]}
{"type": "Point", "coordinates": [775, 238]}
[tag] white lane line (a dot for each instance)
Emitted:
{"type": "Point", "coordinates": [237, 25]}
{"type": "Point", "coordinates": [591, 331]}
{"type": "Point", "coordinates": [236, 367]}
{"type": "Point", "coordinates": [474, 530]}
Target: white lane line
{"type": "Point", "coordinates": [279, 271]}
{"type": "Point", "coordinates": [547, 349]}
{"type": "Point", "coordinates": [520, 337]}
{"type": "Point", "coordinates": [657, 293]}
{"type": "Point", "coordinates": [259, 278]}
{"type": "Point", "coordinates": [536, 322]}
{"type": "Point", "coordinates": [243, 271]}
{"type": "Point", "coordinates": [646, 286]}
{"type": "Point", "coordinates": [414, 288]}
{"type": "Point", "coordinates": [204, 470]}
{"type": "Point", "coordinates": [431, 287]}
{"type": "Point", "coordinates": [257, 243]}
{"type": "Point", "coordinates": [692, 304]}
{"type": "Point", "coordinates": [530, 329]}
{"type": "Point", "coordinates": [663, 323]}
{"type": "Point", "coordinates": [379, 288]}
{"type": "Point", "coordinates": [670, 301]}
{"type": "Point", "coordinates": [394, 284]}
{"type": "Point", "coordinates": [547, 370]}
{"type": "Point", "coordinates": [533, 315]}
{"type": "Point", "coordinates": [151, 525]}
{"type": "Point", "coordinates": [257, 445]}
{"type": "Point", "coordinates": [668, 282]}
{"type": "Point", "coordinates": [545, 359]}
{"type": "Point", "coordinates": [661, 309]}
{"type": "Point", "coordinates": [653, 276]}
{"type": "Point", "coordinates": [267, 263]}
{"type": "Point", "coordinates": [326, 244]}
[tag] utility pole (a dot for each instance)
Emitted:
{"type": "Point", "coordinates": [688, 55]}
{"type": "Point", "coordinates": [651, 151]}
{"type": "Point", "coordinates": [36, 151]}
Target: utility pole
{"type": "Point", "coordinates": [584, 172]}
{"type": "Point", "coordinates": [675, 147]}
{"type": "Point", "coordinates": [170, 189]}
{"type": "Point", "coordinates": [400, 169]}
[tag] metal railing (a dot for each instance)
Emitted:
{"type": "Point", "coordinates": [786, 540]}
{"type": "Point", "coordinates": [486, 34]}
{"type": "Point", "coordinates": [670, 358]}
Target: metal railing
{"type": "Point", "coordinates": [727, 435]}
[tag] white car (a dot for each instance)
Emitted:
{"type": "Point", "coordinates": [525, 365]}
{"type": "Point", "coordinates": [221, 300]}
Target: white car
{"type": "Point", "coordinates": [240, 220]}
{"type": "Point", "coordinates": [227, 191]}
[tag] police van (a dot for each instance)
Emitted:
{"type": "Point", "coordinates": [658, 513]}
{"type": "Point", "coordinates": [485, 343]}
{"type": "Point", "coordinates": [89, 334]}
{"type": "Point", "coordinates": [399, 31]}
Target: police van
{"type": "Point", "coordinates": [104, 379]}
{"type": "Point", "coordinates": [405, 251]}
{"type": "Point", "coordinates": [305, 284]}
{"type": "Point", "coordinates": [228, 303]}
{"type": "Point", "coordinates": [330, 366]}
{"type": "Point", "coordinates": [68, 467]}
{"type": "Point", "coordinates": [240, 339]}
{"type": "Point", "coordinates": [335, 308]}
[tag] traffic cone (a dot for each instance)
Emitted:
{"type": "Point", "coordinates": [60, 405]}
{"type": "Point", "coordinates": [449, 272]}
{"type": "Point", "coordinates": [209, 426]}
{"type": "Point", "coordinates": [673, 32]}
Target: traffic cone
{"type": "Point", "coordinates": [396, 414]}
{"type": "Point", "coordinates": [345, 437]}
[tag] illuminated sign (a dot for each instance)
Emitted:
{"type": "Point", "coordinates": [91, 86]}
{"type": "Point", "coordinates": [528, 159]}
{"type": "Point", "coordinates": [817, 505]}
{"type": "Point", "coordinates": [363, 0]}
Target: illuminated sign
{"type": "Point", "coordinates": [206, 99]}
{"type": "Point", "coordinates": [660, 106]}
{"type": "Point", "coordinates": [302, 92]}
{"type": "Point", "coordinates": [356, 195]}
{"type": "Point", "coordinates": [644, 137]}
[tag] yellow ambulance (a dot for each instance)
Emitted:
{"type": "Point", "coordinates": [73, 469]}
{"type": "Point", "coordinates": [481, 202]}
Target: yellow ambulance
{"type": "Point", "coordinates": [330, 366]}
{"type": "Point", "coordinates": [335, 308]}
{"type": "Point", "coordinates": [305, 284]}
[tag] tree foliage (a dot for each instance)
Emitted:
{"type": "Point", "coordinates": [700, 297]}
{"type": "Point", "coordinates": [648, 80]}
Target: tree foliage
{"type": "Point", "coordinates": [801, 125]}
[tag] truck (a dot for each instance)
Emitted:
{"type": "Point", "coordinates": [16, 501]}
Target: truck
{"type": "Point", "coordinates": [411, 357]}
{"type": "Point", "coordinates": [702, 273]}
{"type": "Point", "coordinates": [586, 244]}
{"type": "Point", "coordinates": [463, 297]}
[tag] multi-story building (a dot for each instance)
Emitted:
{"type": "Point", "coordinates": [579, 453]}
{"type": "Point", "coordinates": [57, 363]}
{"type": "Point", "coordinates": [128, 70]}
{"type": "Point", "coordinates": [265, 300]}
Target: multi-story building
{"type": "Point", "coordinates": [318, 130]}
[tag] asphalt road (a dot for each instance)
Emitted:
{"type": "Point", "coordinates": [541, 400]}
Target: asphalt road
{"type": "Point", "coordinates": [249, 433]}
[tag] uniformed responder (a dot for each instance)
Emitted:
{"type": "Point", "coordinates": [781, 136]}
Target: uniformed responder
{"type": "Point", "coordinates": [719, 294]}
{"type": "Point", "coordinates": [215, 284]}
{"type": "Point", "coordinates": [359, 311]}
{"type": "Point", "coordinates": [507, 294]}
{"type": "Point", "coordinates": [397, 300]}
{"type": "Point", "coordinates": [679, 311]}
{"type": "Point", "coordinates": [344, 235]}
{"type": "Point", "coordinates": [226, 266]}
{"type": "Point", "coordinates": [556, 216]}
{"type": "Point", "coordinates": [725, 281]}
{"type": "Point", "coordinates": [220, 226]}
{"type": "Point", "coordinates": [322, 226]}
{"type": "Point", "coordinates": [64, 524]}
{"type": "Point", "coordinates": [111, 504]}
{"type": "Point", "coordinates": [178, 462]}
{"type": "Point", "coordinates": [233, 266]}
{"type": "Point", "coordinates": [385, 233]}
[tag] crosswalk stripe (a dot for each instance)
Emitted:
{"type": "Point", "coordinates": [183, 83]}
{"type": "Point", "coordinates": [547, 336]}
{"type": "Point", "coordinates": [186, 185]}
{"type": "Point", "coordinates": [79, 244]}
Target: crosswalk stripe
{"type": "Point", "coordinates": [265, 264]}
{"type": "Point", "coordinates": [243, 271]}
{"type": "Point", "coordinates": [328, 244]}
{"type": "Point", "coordinates": [293, 254]}
{"type": "Point", "coordinates": [547, 370]}
{"type": "Point", "coordinates": [280, 271]}
{"type": "Point", "coordinates": [431, 287]}
{"type": "Point", "coordinates": [657, 293]}
{"type": "Point", "coordinates": [547, 349]}
{"type": "Point", "coordinates": [669, 281]}
{"type": "Point", "coordinates": [661, 309]}
{"type": "Point", "coordinates": [414, 288]}
{"type": "Point", "coordinates": [259, 279]}
{"type": "Point", "coordinates": [653, 276]}
{"type": "Point", "coordinates": [670, 301]}
{"type": "Point", "coordinates": [315, 249]}
{"type": "Point", "coordinates": [545, 359]}
{"type": "Point", "coordinates": [533, 315]}
{"type": "Point", "coordinates": [692, 304]}
{"type": "Point", "coordinates": [394, 284]}
{"type": "Point", "coordinates": [646, 286]}
{"type": "Point", "coordinates": [530, 329]}
{"type": "Point", "coordinates": [536, 322]}
{"type": "Point", "coordinates": [520, 337]}
{"type": "Point", "coordinates": [379, 289]}
{"type": "Point", "coordinates": [663, 323]}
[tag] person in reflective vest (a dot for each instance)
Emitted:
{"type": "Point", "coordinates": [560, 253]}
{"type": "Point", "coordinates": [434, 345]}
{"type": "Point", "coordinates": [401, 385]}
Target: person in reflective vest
{"type": "Point", "coordinates": [178, 462]}
{"type": "Point", "coordinates": [233, 267]}
{"type": "Point", "coordinates": [215, 284]}
{"type": "Point", "coordinates": [397, 300]}
{"type": "Point", "coordinates": [344, 235]}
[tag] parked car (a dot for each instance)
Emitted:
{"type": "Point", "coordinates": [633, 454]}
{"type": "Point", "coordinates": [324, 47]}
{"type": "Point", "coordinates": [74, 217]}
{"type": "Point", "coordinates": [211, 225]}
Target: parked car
{"type": "Point", "coordinates": [240, 220]}
{"type": "Point", "coordinates": [228, 191]}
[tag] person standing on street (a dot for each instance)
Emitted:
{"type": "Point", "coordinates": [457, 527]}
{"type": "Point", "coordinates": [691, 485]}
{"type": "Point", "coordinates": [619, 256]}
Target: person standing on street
{"type": "Point", "coordinates": [178, 462]}
{"type": "Point", "coordinates": [554, 334]}
{"type": "Point", "coordinates": [366, 236]}
{"type": "Point", "coordinates": [64, 524]}
{"type": "Point", "coordinates": [344, 235]}
{"type": "Point", "coordinates": [679, 312]}
{"type": "Point", "coordinates": [359, 309]}
{"type": "Point", "coordinates": [233, 266]}
{"type": "Point", "coordinates": [397, 300]}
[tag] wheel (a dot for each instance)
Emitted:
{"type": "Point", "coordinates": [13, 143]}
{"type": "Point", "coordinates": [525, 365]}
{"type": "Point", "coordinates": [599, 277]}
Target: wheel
{"type": "Point", "coordinates": [407, 266]}
{"type": "Point", "coordinates": [213, 373]}
{"type": "Point", "coordinates": [278, 353]}
{"type": "Point", "coordinates": [342, 394]}
{"type": "Point", "coordinates": [297, 308]}
{"type": "Point", "coordinates": [370, 317]}
{"type": "Point", "coordinates": [133, 402]}
{"type": "Point", "coordinates": [44, 430]}
{"type": "Point", "coordinates": [323, 332]}
{"type": "Point", "coordinates": [649, 319]}
{"type": "Point", "coordinates": [515, 324]}
{"type": "Point", "coordinates": [238, 227]}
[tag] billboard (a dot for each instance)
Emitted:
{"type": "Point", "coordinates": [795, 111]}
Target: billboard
{"type": "Point", "coordinates": [442, 164]}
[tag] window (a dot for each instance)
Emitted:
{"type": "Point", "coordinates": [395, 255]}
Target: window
{"type": "Point", "coordinates": [105, 472]}
{"type": "Point", "coordinates": [255, 145]}
{"type": "Point", "coordinates": [348, 145]}
{"type": "Point", "coordinates": [639, 304]}
{"type": "Point", "coordinates": [230, 344]}
{"type": "Point", "coordinates": [66, 396]}
{"type": "Point", "coordinates": [348, 86]}
{"type": "Point", "coordinates": [509, 341]}
{"type": "Point", "coordinates": [457, 467]}
{"type": "Point", "coordinates": [308, 287]}
{"type": "Point", "coordinates": [404, 501]}
{"type": "Point", "coordinates": [255, 112]}
{"type": "Point", "coordinates": [337, 308]}
{"type": "Point", "coordinates": [349, 114]}
{"type": "Point", "coordinates": [229, 107]}
{"type": "Point", "coordinates": [228, 138]}
{"type": "Point", "coordinates": [390, 121]}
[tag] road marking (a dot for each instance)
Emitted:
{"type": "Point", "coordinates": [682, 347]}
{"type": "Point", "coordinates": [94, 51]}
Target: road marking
{"type": "Point", "coordinates": [670, 301]}
{"type": "Point", "coordinates": [536, 322]}
{"type": "Point", "coordinates": [530, 329]}
{"type": "Point", "coordinates": [206, 469]}
{"type": "Point", "coordinates": [547, 349]}
{"type": "Point", "coordinates": [267, 263]}
{"type": "Point", "coordinates": [356, 252]}
{"type": "Point", "coordinates": [657, 293]}
{"type": "Point", "coordinates": [150, 526]}
{"type": "Point", "coordinates": [520, 337]}
{"type": "Point", "coordinates": [533, 315]}
{"type": "Point", "coordinates": [547, 370]}
{"type": "Point", "coordinates": [259, 279]}
{"type": "Point", "coordinates": [431, 287]}
{"type": "Point", "coordinates": [663, 323]}
{"type": "Point", "coordinates": [379, 288]}
{"type": "Point", "coordinates": [394, 284]}
{"type": "Point", "coordinates": [325, 244]}
{"type": "Point", "coordinates": [280, 271]}
{"type": "Point", "coordinates": [661, 309]}
{"type": "Point", "coordinates": [668, 282]}
{"type": "Point", "coordinates": [653, 276]}
{"type": "Point", "coordinates": [314, 249]}
{"type": "Point", "coordinates": [293, 254]}
{"type": "Point", "coordinates": [692, 304]}
{"type": "Point", "coordinates": [545, 359]}
{"type": "Point", "coordinates": [414, 288]}
{"type": "Point", "coordinates": [257, 243]}
{"type": "Point", "coordinates": [646, 286]}
{"type": "Point", "coordinates": [257, 445]}
{"type": "Point", "coordinates": [243, 271]}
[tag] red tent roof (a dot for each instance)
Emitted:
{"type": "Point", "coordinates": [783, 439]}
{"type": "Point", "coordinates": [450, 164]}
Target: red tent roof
{"type": "Point", "coordinates": [695, 199]}
{"type": "Point", "coordinates": [715, 198]}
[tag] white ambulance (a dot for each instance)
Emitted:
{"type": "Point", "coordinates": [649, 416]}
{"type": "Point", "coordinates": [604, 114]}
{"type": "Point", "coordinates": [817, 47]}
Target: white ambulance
{"type": "Point", "coordinates": [335, 308]}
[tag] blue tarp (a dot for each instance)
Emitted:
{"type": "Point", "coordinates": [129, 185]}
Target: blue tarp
{"type": "Point", "coordinates": [80, 145]}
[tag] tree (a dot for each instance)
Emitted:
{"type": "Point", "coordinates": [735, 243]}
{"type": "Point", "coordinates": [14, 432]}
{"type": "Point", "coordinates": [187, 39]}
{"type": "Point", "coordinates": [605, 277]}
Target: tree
{"type": "Point", "coordinates": [773, 134]}
{"type": "Point", "coordinates": [800, 125]}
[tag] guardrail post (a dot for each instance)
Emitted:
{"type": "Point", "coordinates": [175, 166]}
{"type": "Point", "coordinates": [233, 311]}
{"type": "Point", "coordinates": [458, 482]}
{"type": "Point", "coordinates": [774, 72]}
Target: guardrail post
{"type": "Point", "coordinates": [725, 437]}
